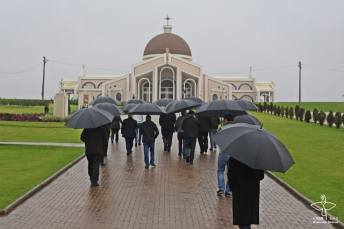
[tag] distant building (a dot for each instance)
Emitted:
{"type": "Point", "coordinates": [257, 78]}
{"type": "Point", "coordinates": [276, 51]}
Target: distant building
{"type": "Point", "coordinates": [167, 71]}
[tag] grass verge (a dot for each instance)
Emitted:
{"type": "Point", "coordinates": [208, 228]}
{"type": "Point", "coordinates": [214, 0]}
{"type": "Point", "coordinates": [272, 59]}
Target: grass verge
{"type": "Point", "coordinates": [31, 110]}
{"type": "Point", "coordinates": [24, 167]}
{"type": "Point", "coordinates": [318, 154]}
{"type": "Point", "coordinates": [11, 131]}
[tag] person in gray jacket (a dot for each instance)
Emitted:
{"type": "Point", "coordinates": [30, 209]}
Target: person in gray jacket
{"type": "Point", "coordinates": [190, 127]}
{"type": "Point", "coordinates": [149, 132]}
{"type": "Point", "coordinates": [180, 132]}
{"type": "Point", "coordinates": [115, 126]}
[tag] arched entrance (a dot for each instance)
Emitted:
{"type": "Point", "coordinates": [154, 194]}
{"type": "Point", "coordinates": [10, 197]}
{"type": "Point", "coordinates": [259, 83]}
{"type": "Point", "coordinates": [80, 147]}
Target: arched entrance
{"type": "Point", "coordinates": [167, 88]}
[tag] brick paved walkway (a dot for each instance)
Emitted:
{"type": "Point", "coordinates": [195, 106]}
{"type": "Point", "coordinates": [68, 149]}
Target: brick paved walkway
{"type": "Point", "coordinates": [171, 195]}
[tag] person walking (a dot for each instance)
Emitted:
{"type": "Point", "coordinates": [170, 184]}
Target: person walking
{"type": "Point", "coordinates": [115, 126]}
{"type": "Point", "coordinates": [167, 122]}
{"type": "Point", "coordinates": [107, 129]}
{"type": "Point", "coordinates": [139, 120]}
{"type": "Point", "coordinates": [245, 185]}
{"type": "Point", "coordinates": [214, 123]}
{"type": "Point", "coordinates": [203, 133]}
{"type": "Point", "coordinates": [96, 141]}
{"type": "Point", "coordinates": [149, 132]}
{"type": "Point", "coordinates": [190, 126]}
{"type": "Point", "coordinates": [180, 133]}
{"type": "Point", "coordinates": [222, 162]}
{"type": "Point", "coordinates": [128, 132]}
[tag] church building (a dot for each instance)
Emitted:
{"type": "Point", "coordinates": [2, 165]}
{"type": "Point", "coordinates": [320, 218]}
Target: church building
{"type": "Point", "coordinates": [166, 71]}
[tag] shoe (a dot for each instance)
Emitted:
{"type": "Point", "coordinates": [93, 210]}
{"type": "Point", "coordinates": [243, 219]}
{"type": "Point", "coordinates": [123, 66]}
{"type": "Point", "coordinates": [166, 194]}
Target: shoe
{"type": "Point", "coordinates": [152, 164]}
{"type": "Point", "coordinates": [220, 192]}
{"type": "Point", "coordinates": [228, 194]}
{"type": "Point", "coordinates": [102, 164]}
{"type": "Point", "coordinates": [215, 147]}
{"type": "Point", "coordinates": [128, 152]}
{"type": "Point", "coordinates": [201, 152]}
{"type": "Point", "coordinates": [146, 167]}
{"type": "Point", "coordinates": [111, 141]}
{"type": "Point", "coordinates": [179, 154]}
{"type": "Point", "coordinates": [191, 162]}
{"type": "Point", "coordinates": [187, 159]}
{"type": "Point", "coordinates": [135, 143]}
{"type": "Point", "coordinates": [116, 141]}
{"type": "Point", "coordinates": [211, 149]}
{"type": "Point", "coordinates": [165, 147]}
{"type": "Point", "coordinates": [94, 184]}
{"type": "Point", "coordinates": [140, 144]}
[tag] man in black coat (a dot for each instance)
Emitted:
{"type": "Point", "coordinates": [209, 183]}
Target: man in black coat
{"type": "Point", "coordinates": [203, 133]}
{"type": "Point", "coordinates": [128, 132]}
{"type": "Point", "coordinates": [167, 122]}
{"type": "Point", "coordinates": [190, 126]}
{"type": "Point", "coordinates": [245, 185]}
{"type": "Point", "coordinates": [96, 141]}
{"type": "Point", "coordinates": [150, 132]}
{"type": "Point", "coordinates": [115, 126]}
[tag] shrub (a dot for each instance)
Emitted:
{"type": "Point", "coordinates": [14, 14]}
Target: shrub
{"type": "Point", "coordinates": [282, 111]}
{"type": "Point", "coordinates": [46, 109]}
{"type": "Point", "coordinates": [275, 110]}
{"type": "Point", "coordinates": [315, 115]}
{"type": "Point", "coordinates": [271, 107]}
{"type": "Point", "coordinates": [286, 112]}
{"type": "Point", "coordinates": [308, 116]}
{"type": "Point", "coordinates": [301, 113]}
{"type": "Point", "coordinates": [297, 108]}
{"type": "Point", "coordinates": [343, 119]}
{"type": "Point", "coordinates": [338, 119]}
{"type": "Point", "coordinates": [330, 119]}
{"type": "Point", "coordinates": [265, 107]}
{"type": "Point", "coordinates": [291, 112]}
{"type": "Point", "coordinates": [321, 117]}
{"type": "Point", "coordinates": [52, 118]}
{"type": "Point", "coordinates": [278, 110]}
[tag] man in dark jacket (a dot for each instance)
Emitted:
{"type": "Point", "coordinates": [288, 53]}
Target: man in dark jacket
{"type": "Point", "coordinates": [149, 132]}
{"type": "Point", "coordinates": [128, 132]}
{"type": "Point", "coordinates": [190, 126]}
{"type": "Point", "coordinates": [167, 122]}
{"type": "Point", "coordinates": [95, 143]}
{"type": "Point", "coordinates": [245, 185]}
{"type": "Point", "coordinates": [214, 123]}
{"type": "Point", "coordinates": [203, 133]}
{"type": "Point", "coordinates": [115, 126]}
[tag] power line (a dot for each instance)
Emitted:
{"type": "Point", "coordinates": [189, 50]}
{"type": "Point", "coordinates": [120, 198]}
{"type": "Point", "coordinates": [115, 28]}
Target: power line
{"type": "Point", "coordinates": [328, 69]}
{"type": "Point", "coordinates": [265, 69]}
{"type": "Point", "coordinates": [21, 71]}
{"type": "Point", "coordinates": [87, 67]}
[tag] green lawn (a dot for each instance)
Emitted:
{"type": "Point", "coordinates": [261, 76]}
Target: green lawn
{"type": "Point", "coordinates": [318, 152]}
{"type": "Point", "coordinates": [324, 106]}
{"type": "Point", "coordinates": [24, 167]}
{"type": "Point", "coordinates": [30, 110]}
{"type": "Point", "coordinates": [11, 131]}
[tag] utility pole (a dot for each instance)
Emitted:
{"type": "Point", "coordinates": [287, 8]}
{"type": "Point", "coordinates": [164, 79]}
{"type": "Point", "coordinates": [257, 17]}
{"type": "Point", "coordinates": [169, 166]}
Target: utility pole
{"type": "Point", "coordinates": [44, 61]}
{"type": "Point", "coordinates": [300, 66]}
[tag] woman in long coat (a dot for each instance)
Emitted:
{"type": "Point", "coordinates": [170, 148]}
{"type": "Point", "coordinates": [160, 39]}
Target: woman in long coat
{"type": "Point", "coordinates": [245, 185]}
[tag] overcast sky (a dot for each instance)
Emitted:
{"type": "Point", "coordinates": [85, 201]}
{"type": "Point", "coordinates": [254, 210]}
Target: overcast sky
{"type": "Point", "coordinates": [225, 37]}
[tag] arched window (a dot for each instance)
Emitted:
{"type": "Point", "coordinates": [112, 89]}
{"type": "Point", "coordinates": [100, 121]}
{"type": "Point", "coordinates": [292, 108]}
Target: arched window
{"type": "Point", "coordinates": [146, 89]}
{"type": "Point", "coordinates": [189, 90]}
{"type": "Point", "coordinates": [247, 97]}
{"type": "Point", "coordinates": [167, 88]}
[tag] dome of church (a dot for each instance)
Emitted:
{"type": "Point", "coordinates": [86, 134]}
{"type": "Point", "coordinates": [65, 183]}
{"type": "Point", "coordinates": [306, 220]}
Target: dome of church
{"type": "Point", "coordinates": [159, 43]}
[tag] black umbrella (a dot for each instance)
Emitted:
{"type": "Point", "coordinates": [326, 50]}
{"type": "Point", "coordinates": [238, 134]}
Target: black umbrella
{"type": "Point", "coordinates": [254, 146]}
{"type": "Point", "coordinates": [163, 102]}
{"type": "Point", "coordinates": [196, 99]}
{"type": "Point", "coordinates": [247, 105]}
{"type": "Point", "coordinates": [147, 109]}
{"type": "Point", "coordinates": [180, 105]}
{"type": "Point", "coordinates": [135, 101]}
{"type": "Point", "coordinates": [89, 118]}
{"type": "Point", "coordinates": [127, 107]}
{"type": "Point", "coordinates": [220, 108]}
{"type": "Point", "coordinates": [249, 119]}
{"type": "Point", "coordinates": [112, 108]}
{"type": "Point", "coordinates": [105, 99]}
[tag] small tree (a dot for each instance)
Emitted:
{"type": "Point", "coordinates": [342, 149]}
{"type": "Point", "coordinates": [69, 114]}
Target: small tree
{"type": "Point", "coordinates": [275, 110]}
{"type": "Point", "coordinates": [330, 119]}
{"type": "Point", "coordinates": [260, 108]}
{"type": "Point", "coordinates": [315, 115]}
{"type": "Point", "coordinates": [321, 117]}
{"type": "Point", "coordinates": [343, 119]}
{"type": "Point", "coordinates": [46, 109]}
{"type": "Point", "coordinates": [278, 110]}
{"type": "Point", "coordinates": [297, 108]}
{"type": "Point", "coordinates": [338, 119]}
{"type": "Point", "coordinates": [301, 113]}
{"type": "Point", "coordinates": [265, 107]}
{"type": "Point", "coordinates": [308, 116]}
{"type": "Point", "coordinates": [286, 112]}
{"type": "Point", "coordinates": [271, 107]}
{"type": "Point", "coordinates": [291, 112]}
{"type": "Point", "coordinates": [282, 111]}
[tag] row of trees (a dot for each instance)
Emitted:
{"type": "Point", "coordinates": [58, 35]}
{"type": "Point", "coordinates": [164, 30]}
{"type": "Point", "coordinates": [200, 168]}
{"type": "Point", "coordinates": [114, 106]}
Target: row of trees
{"type": "Point", "coordinates": [300, 114]}
{"type": "Point", "coordinates": [24, 102]}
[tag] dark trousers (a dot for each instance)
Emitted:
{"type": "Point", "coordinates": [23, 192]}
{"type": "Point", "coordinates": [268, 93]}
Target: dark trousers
{"type": "Point", "coordinates": [203, 141]}
{"type": "Point", "coordinates": [181, 143]}
{"type": "Point", "coordinates": [167, 138]}
{"type": "Point", "coordinates": [129, 142]}
{"type": "Point", "coordinates": [113, 132]}
{"type": "Point", "coordinates": [93, 167]}
{"type": "Point", "coordinates": [190, 144]}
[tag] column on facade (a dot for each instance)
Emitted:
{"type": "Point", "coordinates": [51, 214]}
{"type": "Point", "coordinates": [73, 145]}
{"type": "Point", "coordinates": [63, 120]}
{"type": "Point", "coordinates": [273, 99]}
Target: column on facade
{"type": "Point", "coordinates": [155, 85]}
{"type": "Point", "coordinates": [178, 84]}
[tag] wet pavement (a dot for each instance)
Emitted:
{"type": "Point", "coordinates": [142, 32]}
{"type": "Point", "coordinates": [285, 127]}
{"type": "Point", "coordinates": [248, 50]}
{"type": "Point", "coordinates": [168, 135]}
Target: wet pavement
{"type": "Point", "coordinates": [171, 195]}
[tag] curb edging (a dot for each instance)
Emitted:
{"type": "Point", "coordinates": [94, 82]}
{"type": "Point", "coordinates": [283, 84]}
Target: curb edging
{"type": "Point", "coordinates": [299, 196]}
{"type": "Point", "coordinates": [38, 188]}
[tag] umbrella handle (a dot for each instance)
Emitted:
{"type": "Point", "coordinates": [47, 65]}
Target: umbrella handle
{"type": "Point", "coordinates": [261, 127]}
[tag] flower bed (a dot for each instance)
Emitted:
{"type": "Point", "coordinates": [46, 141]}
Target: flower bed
{"type": "Point", "coordinates": [21, 117]}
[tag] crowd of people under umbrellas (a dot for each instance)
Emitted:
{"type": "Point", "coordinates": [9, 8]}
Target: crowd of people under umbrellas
{"type": "Point", "coordinates": [243, 180]}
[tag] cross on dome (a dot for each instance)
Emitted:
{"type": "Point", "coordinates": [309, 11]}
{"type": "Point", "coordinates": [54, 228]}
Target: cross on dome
{"type": "Point", "coordinates": [167, 19]}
